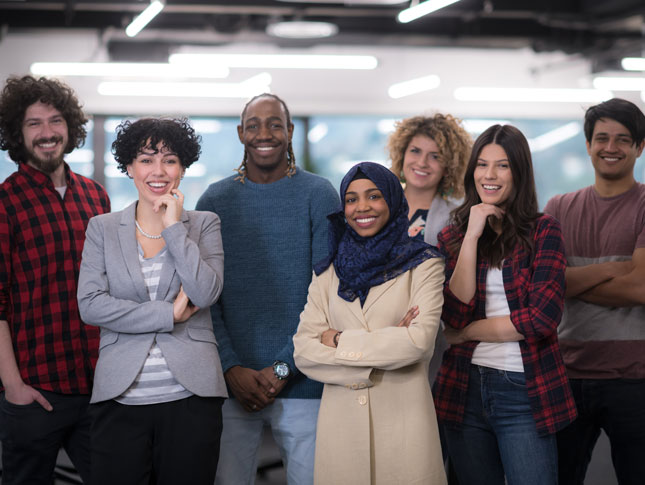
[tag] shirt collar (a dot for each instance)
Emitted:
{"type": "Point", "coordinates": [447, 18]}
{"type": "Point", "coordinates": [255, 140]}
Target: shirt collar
{"type": "Point", "coordinates": [42, 178]}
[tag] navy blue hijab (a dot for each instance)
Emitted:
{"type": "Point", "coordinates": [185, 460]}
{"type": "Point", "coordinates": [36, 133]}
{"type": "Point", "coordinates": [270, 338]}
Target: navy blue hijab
{"type": "Point", "coordinates": [363, 262]}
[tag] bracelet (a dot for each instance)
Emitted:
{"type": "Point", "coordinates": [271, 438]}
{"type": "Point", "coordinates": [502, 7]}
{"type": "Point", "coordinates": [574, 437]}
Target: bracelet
{"type": "Point", "coordinates": [335, 339]}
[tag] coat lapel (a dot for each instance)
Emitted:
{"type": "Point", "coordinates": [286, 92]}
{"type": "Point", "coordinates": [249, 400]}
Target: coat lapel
{"type": "Point", "coordinates": [354, 306]}
{"type": "Point", "coordinates": [376, 292]}
{"type": "Point", "coordinates": [130, 251]}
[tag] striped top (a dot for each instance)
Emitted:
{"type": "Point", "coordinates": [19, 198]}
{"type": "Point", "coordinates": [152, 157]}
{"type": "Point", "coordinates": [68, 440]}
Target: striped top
{"type": "Point", "coordinates": [154, 383]}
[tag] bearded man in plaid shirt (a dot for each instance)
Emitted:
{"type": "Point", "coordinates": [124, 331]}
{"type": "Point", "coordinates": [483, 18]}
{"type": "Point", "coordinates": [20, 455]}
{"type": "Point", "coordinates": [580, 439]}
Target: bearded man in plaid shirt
{"type": "Point", "coordinates": [47, 354]}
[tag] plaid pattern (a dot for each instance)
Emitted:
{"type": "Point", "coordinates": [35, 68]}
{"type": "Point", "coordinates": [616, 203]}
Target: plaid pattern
{"type": "Point", "coordinates": [535, 294]}
{"type": "Point", "coordinates": [41, 242]}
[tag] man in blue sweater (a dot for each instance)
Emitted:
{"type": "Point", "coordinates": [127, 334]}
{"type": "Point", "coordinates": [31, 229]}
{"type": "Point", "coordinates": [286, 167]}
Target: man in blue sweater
{"type": "Point", "coordinates": [274, 228]}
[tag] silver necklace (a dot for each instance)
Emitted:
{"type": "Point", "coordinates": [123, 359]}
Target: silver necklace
{"type": "Point", "coordinates": [149, 236]}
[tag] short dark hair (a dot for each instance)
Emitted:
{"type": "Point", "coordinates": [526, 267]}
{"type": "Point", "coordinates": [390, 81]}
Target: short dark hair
{"type": "Point", "coordinates": [176, 134]}
{"type": "Point", "coordinates": [20, 93]}
{"type": "Point", "coordinates": [291, 158]}
{"type": "Point", "coordinates": [624, 112]}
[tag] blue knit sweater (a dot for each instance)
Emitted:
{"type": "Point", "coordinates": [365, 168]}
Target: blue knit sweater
{"type": "Point", "coordinates": [272, 235]}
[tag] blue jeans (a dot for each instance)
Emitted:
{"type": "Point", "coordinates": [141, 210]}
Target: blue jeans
{"type": "Point", "coordinates": [616, 406]}
{"type": "Point", "coordinates": [498, 436]}
{"type": "Point", "coordinates": [293, 423]}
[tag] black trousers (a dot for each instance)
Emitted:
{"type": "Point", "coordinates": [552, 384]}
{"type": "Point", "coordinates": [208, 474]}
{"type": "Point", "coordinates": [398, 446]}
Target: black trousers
{"type": "Point", "coordinates": [618, 407]}
{"type": "Point", "coordinates": [167, 443]}
{"type": "Point", "coordinates": [32, 437]}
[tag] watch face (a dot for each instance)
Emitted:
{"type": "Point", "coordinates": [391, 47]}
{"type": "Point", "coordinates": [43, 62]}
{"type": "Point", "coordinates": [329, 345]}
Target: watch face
{"type": "Point", "coordinates": [281, 370]}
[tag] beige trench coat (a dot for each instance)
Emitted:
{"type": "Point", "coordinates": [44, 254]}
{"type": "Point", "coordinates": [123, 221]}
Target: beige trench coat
{"type": "Point", "coordinates": [377, 423]}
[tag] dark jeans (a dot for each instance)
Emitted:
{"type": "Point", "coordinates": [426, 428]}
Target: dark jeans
{"type": "Point", "coordinates": [618, 407]}
{"type": "Point", "coordinates": [168, 443]}
{"type": "Point", "coordinates": [498, 437]}
{"type": "Point", "coordinates": [32, 437]}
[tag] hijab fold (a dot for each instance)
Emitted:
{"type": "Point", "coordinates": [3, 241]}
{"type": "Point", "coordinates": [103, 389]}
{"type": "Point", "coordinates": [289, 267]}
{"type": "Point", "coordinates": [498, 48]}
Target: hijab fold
{"type": "Point", "coordinates": [364, 262]}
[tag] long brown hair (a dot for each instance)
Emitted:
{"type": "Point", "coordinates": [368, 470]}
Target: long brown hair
{"type": "Point", "coordinates": [521, 207]}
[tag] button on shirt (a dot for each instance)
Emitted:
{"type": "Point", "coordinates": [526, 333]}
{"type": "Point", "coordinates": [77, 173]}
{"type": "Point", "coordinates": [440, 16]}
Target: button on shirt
{"type": "Point", "coordinates": [41, 242]}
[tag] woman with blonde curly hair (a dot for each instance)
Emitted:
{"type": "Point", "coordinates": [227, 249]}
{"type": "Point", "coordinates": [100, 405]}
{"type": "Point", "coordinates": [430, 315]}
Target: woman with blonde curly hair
{"type": "Point", "coordinates": [429, 155]}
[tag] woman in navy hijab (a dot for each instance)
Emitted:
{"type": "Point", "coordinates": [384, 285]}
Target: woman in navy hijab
{"type": "Point", "coordinates": [367, 332]}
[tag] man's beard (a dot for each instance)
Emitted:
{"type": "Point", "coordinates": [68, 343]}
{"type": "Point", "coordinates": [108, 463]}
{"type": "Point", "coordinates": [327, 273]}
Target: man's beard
{"type": "Point", "coordinates": [50, 162]}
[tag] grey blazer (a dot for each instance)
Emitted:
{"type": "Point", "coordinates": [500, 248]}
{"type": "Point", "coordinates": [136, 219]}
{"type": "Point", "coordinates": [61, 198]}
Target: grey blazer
{"type": "Point", "coordinates": [112, 295]}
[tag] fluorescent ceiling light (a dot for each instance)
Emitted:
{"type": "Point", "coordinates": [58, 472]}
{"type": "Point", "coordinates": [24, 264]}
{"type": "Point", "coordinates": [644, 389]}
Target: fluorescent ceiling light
{"type": "Point", "coordinates": [619, 83]}
{"type": "Point", "coordinates": [277, 61]}
{"type": "Point", "coordinates": [421, 9]}
{"type": "Point", "coordinates": [413, 86]}
{"type": "Point", "coordinates": [554, 137]}
{"type": "Point", "coordinates": [141, 20]}
{"type": "Point", "coordinates": [302, 30]}
{"type": "Point", "coordinates": [532, 95]}
{"type": "Point", "coordinates": [255, 85]}
{"type": "Point", "coordinates": [127, 69]}
{"type": "Point", "coordinates": [633, 63]}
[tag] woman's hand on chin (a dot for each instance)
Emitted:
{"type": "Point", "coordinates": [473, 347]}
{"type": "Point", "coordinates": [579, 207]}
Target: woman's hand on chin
{"type": "Point", "coordinates": [479, 215]}
{"type": "Point", "coordinates": [170, 206]}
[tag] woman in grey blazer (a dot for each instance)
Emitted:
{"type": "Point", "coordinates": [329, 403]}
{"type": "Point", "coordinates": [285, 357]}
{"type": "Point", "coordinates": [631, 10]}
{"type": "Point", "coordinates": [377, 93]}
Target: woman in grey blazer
{"type": "Point", "coordinates": [148, 277]}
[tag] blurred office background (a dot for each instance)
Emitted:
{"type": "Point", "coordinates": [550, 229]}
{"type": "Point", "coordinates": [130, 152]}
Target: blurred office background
{"type": "Point", "coordinates": [347, 70]}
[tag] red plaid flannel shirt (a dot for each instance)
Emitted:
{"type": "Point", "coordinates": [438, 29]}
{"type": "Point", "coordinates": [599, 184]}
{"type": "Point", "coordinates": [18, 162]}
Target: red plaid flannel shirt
{"type": "Point", "coordinates": [41, 242]}
{"type": "Point", "coordinates": [535, 294]}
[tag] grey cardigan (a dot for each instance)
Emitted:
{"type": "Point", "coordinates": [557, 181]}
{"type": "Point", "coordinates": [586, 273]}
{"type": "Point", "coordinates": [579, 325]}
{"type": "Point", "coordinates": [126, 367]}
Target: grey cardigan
{"type": "Point", "coordinates": [112, 295]}
{"type": "Point", "coordinates": [438, 217]}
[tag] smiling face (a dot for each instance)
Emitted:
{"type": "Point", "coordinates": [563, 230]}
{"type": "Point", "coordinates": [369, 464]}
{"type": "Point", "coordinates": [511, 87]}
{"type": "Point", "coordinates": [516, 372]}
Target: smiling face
{"type": "Point", "coordinates": [613, 151]}
{"type": "Point", "coordinates": [493, 177]}
{"type": "Point", "coordinates": [366, 210]}
{"type": "Point", "coordinates": [422, 167]}
{"type": "Point", "coordinates": [265, 134]}
{"type": "Point", "coordinates": [45, 135]}
{"type": "Point", "coordinates": [155, 172]}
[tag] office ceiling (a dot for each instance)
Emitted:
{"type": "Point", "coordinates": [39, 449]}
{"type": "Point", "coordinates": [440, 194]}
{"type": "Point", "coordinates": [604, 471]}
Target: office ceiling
{"type": "Point", "coordinates": [602, 31]}
{"type": "Point", "coordinates": [494, 43]}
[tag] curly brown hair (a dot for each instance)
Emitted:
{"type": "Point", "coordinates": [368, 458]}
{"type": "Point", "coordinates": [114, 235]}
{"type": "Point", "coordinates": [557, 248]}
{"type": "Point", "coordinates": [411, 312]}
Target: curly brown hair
{"type": "Point", "coordinates": [453, 141]}
{"type": "Point", "coordinates": [21, 92]}
{"type": "Point", "coordinates": [176, 134]}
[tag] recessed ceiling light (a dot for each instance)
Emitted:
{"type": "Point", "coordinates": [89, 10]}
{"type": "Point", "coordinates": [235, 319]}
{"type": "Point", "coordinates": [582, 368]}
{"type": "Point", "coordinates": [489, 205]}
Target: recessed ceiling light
{"type": "Point", "coordinates": [144, 18]}
{"type": "Point", "coordinates": [633, 63]}
{"type": "Point", "coordinates": [413, 86]}
{"type": "Point", "coordinates": [276, 61]}
{"type": "Point", "coordinates": [302, 29]}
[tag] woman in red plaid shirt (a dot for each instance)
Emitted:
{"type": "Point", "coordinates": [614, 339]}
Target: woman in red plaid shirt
{"type": "Point", "coordinates": [502, 391]}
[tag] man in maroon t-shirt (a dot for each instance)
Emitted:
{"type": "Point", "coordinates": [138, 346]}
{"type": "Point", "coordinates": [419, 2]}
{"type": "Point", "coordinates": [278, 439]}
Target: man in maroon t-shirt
{"type": "Point", "coordinates": [602, 332]}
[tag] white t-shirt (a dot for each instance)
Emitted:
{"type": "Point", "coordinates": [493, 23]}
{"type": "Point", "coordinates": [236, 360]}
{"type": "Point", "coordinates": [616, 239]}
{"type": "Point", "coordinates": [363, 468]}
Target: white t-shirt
{"type": "Point", "coordinates": [502, 355]}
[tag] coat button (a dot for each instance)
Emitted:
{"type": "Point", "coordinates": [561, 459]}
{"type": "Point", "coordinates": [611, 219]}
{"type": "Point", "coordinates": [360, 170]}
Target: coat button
{"type": "Point", "coordinates": [352, 354]}
{"type": "Point", "coordinates": [359, 354]}
{"type": "Point", "coordinates": [343, 353]}
{"type": "Point", "coordinates": [354, 386]}
{"type": "Point", "coordinates": [362, 385]}
{"type": "Point", "coordinates": [362, 400]}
